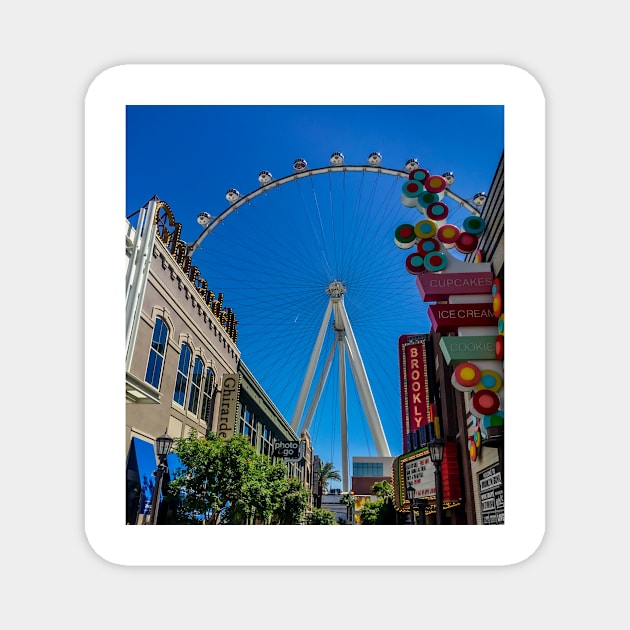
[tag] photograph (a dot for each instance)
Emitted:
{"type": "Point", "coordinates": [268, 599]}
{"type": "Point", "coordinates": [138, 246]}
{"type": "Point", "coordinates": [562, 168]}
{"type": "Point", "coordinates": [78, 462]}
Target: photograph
{"type": "Point", "coordinates": [314, 308]}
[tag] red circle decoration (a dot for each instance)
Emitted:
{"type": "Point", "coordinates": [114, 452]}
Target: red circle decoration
{"type": "Point", "coordinates": [466, 243]}
{"type": "Point", "coordinates": [467, 374]}
{"type": "Point", "coordinates": [448, 234]}
{"type": "Point", "coordinates": [498, 347]}
{"type": "Point", "coordinates": [414, 263]}
{"type": "Point", "coordinates": [404, 233]}
{"type": "Point", "coordinates": [428, 245]}
{"type": "Point", "coordinates": [419, 174]}
{"type": "Point", "coordinates": [435, 261]}
{"type": "Point", "coordinates": [484, 403]}
{"type": "Point", "coordinates": [435, 183]}
{"type": "Point", "coordinates": [438, 211]}
{"type": "Point", "coordinates": [472, 448]}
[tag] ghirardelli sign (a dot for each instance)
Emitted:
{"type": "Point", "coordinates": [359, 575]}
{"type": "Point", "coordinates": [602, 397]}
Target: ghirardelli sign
{"type": "Point", "coordinates": [229, 405]}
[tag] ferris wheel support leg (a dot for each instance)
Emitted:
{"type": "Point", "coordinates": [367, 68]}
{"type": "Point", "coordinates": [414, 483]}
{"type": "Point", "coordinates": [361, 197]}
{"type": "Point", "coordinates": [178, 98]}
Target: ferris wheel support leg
{"type": "Point", "coordinates": [310, 370]}
{"type": "Point", "coordinates": [363, 388]}
{"type": "Point", "coordinates": [318, 390]}
{"type": "Point", "coordinates": [343, 418]}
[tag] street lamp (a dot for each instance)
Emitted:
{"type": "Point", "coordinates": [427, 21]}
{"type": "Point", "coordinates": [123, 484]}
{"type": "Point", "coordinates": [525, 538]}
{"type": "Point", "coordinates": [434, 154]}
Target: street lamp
{"type": "Point", "coordinates": [411, 497]}
{"type": "Point", "coordinates": [436, 452]}
{"type": "Point", "coordinates": [163, 447]}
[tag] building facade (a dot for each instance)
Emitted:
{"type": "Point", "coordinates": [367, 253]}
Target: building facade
{"type": "Point", "coordinates": [444, 405]}
{"type": "Point", "coordinates": [183, 367]}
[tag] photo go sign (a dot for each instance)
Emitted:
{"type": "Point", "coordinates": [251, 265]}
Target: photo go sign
{"type": "Point", "coordinates": [287, 450]}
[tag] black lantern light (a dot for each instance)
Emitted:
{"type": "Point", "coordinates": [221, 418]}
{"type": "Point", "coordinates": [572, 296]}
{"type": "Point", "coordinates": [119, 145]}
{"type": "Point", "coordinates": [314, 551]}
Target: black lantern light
{"type": "Point", "coordinates": [163, 446]}
{"type": "Point", "coordinates": [411, 496]}
{"type": "Point", "coordinates": [436, 452]}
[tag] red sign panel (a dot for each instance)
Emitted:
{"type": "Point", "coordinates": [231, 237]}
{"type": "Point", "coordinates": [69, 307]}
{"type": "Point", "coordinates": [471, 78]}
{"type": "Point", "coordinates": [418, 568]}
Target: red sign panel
{"type": "Point", "coordinates": [414, 383]}
{"type": "Point", "coordinates": [450, 317]}
{"type": "Point", "coordinates": [440, 286]}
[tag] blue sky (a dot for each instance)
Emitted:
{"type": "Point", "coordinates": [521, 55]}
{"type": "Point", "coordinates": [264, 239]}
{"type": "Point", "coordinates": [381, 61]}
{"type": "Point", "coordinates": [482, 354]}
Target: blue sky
{"type": "Point", "coordinates": [274, 257]}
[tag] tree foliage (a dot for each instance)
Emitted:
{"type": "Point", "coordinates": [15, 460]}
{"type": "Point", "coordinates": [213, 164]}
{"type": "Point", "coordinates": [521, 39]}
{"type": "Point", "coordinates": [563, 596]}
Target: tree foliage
{"type": "Point", "coordinates": [227, 482]}
{"type": "Point", "coordinates": [381, 511]}
{"type": "Point", "coordinates": [320, 516]}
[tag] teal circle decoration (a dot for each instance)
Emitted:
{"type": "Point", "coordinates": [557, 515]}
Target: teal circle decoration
{"type": "Point", "coordinates": [435, 261]}
{"type": "Point", "coordinates": [474, 225]}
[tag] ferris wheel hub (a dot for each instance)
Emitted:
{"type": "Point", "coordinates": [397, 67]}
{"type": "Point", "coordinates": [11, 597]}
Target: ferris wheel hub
{"type": "Point", "coordinates": [336, 289]}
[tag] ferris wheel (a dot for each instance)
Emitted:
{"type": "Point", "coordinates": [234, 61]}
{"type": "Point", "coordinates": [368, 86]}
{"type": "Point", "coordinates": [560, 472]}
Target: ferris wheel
{"type": "Point", "coordinates": [313, 265]}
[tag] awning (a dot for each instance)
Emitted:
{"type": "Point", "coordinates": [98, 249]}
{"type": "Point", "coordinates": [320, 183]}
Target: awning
{"type": "Point", "coordinates": [145, 466]}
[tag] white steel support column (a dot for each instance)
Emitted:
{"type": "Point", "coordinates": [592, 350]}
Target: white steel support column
{"type": "Point", "coordinates": [320, 386]}
{"type": "Point", "coordinates": [343, 415]}
{"type": "Point", "coordinates": [310, 370]}
{"type": "Point", "coordinates": [363, 387]}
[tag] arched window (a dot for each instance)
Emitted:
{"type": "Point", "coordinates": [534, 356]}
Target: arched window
{"type": "Point", "coordinates": [206, 403]}
{"type": "Point", "coordinates": [157, 353]}
{"type": "Point", "coordinates": [183, 371]}
{"type": "Point", "coordinates": [195, 386]}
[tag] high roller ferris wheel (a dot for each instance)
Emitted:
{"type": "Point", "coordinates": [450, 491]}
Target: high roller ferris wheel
{"type": "Point", "coordinates": [315, 247]}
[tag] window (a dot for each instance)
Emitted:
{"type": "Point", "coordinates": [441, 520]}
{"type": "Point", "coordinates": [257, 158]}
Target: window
{"type": "Point", "coordinates": [248, 425]}
{"type": "Point", "coordinates": [183, 370]}
{"type": "Point", "coordinates": [367, 469]}
{"type": "Point", "coordinates": [156, 353]}
{"type": "Point", "coordinates": [206, 403]}
{"type": "Point", "coordinates": [266, 441]}
{"type": "Point", "coordinates": [195, 386]}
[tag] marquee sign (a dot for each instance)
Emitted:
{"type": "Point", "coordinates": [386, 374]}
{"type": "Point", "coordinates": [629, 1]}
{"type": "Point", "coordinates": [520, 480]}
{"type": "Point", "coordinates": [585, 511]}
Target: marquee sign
{"type": "Point", "coordinates": [435, 287]}
{"type": "Point", "coordinates": [450, 317]}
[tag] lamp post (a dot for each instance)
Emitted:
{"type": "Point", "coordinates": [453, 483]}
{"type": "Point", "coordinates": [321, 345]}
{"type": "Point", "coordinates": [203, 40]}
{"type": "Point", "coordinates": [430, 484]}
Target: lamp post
{"type": "Point", "coordinates": [163, 446]}
{"type": "Point", "coordinates": [422, 504]}
{"type": "Point", "coordinates": [410, 491]}
{"type": "Point", "coordinates": [436, 452]}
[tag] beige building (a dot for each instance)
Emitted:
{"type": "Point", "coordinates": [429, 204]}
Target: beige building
{"type": "Point", "coordinates": [182, 360]}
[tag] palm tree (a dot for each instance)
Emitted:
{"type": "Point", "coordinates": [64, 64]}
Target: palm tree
{"type": "Point", "coordinates": [327, 473]}
{"type": "Point", "coordinates": [383, 490]}
{"type": "Point", "coordinates": [347, 499]}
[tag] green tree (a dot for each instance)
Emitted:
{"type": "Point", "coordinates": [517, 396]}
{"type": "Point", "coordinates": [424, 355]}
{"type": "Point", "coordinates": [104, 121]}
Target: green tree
{"type": "Point", "coordinates": [381, 511]}
{"type": "Point", "coordinates": [320, 516]}
{"type": "Point", "coordinates": [224, 481]}
{"type": "Point", "coordinates": [294, 500]}
{"type": "Point", "coordinates": [327, 473]}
